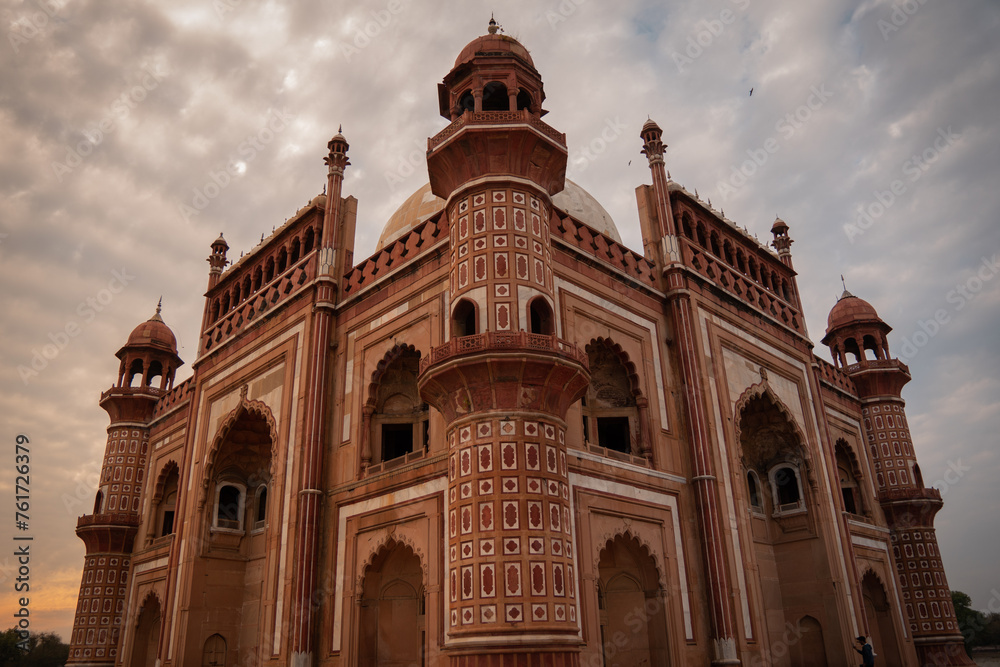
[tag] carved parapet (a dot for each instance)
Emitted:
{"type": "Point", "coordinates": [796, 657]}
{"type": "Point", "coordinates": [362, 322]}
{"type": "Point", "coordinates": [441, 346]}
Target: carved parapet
{"type": "Point", "coordinates": [503, 371]}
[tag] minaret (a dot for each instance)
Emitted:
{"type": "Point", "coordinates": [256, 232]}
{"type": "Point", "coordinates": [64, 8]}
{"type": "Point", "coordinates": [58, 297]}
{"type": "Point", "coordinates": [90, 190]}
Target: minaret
{"type": "Point", "coordinates": [854, 328]}
{"type": "Point", "coordinates": [782, 242]}
{"type": "Point", "coordinates": [703, 479]}
{"type": "Point", "coordinates": [332, 249]}
{"type": "Point", "coordinates": [217, 260]}
{"type": "Point", "coordinates": [108, 533]}
{"type": "Point", "coordinates": [503, 380]}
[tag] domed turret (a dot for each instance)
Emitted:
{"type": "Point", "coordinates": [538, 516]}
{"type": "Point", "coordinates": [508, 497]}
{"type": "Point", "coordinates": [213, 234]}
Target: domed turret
{"type": "Point", "coordinates": [153, 333]}
{"type": "Point", "coordinates": [493, 72]}
{"type": "Point", "coordinates": [853, 327]}
{"type": "Point", "coordinates": [150, 353]}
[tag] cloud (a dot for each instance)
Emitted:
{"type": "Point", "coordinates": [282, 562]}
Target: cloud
{"type": "Point", "coordinates": [220, 75]}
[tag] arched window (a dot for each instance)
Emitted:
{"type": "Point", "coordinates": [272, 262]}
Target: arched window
{"type": "Point", "coordinates": [686, 227]}
{"type": "Point", "coordinates": [215, 310]}
{"type": "Point", "coordinates": [155, 374]}
{"type": "Point", "coordinates": [269, 270]}
{"type": "Point", "coordinates": [848, 475]}
{"type": "Point", "coordinates": [214, 653]}
{"type": "Point", "coordinates": [282, 260]}
{"type": "Point", "coordinates": [225, 302]}
{"type": "Point", "coordinates": [466, 102]}
{"type": "Point", "coordinates": [258, 278]}
{"type": "Point", "coordinates": [523, 100]}
{"type": "Point", "coordinates": [851, 348]}
{"type": "Point", "coordinates": [236, 295]}
{"type": "Point", "coordinates": [872, 348]}
{"type": "Point", "coordinates": [727, 249]}
{"type": "Point", "coordinates": [464, 319]}
{"type": "Point", "coordinates": [310, 240]}
{"type": "Point", "coordinates": [609, 407]}
{"type": "Point", "coordinates": [98, 502]}
{"type": "Point", "coordinates": [135, 369]}
{"type": "Point", "coordinates": [713, 240]}
{"type": "Point", "coordinates": [700, 232]}
{"type": "Point", "coordinates": [786, 488]}
{"type": "Point", "coordinates": [260, 507]}
{"type": "Point", "coordinates": [540, 316]}
{"type": "Point", "coordinates": [295, 250]}
{"type": "Point", "coordinates": [753, 490]}
{"type": "Point", "coordinates": [400, 417]}
{"type": "Point", "coordinates": [246, 287]}
{"type": "Point", "coordinates": [741, 263]}
{"type": "Point", "coordinates": [495, 97]}
{"type": "Point", "coordinates": [167, 505]}
{"type": "Point", "coordinates": [229, 506]}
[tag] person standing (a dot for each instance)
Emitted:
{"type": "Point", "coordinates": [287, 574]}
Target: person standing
{"type": "Point", "coordinates": [866, 651]}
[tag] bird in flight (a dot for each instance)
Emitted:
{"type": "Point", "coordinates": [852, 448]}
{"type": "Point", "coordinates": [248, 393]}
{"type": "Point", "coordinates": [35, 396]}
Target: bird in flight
{"type": "Point", "coordinates": [751, 93]}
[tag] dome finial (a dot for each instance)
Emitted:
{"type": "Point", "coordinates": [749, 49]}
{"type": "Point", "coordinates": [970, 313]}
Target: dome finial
{"type": "Point", "coordinates": [493, 25]}
{"type": "Point", "coordinates": [846, 294]}
{"type": "Point", "coordinates": [156, 316]}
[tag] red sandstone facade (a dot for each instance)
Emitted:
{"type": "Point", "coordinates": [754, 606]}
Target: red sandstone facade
{"type": "Point", "coordinates": [507, 439]}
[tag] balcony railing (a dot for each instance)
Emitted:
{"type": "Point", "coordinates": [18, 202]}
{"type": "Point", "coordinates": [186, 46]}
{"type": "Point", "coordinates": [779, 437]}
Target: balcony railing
{"type": "Point", "coordinates": [877, 363]}
{"type": "Point", "coordinates": [471, 118]}
{"type": "Point", "coordinates": [503, 341]}
{"type": "Point", "coordinates": [115, 519]}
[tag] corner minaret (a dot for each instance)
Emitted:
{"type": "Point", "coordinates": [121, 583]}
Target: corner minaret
{"type": "Point", "coordinates": [217, 260]}
{"type": "Point", "coordinates": [148, 363]}
{"type": "Point", "coordinates": [654, 148]}
{"type": "Point", "coordinates": [782, 242]}
{"type": "Point", "coordinates": [857, 337]}
{"type": "Point", "coordinates": [502, 378]}
{"type": "Point", "coordinates": [704, 479]}
{"type": "Point", "coordinates": [333, 249]}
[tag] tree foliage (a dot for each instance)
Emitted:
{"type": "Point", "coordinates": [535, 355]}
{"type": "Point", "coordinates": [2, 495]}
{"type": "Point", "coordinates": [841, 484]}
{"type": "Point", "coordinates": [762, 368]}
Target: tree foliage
{"type": "Point", "coordinates": [45, 649]}
{"type": "Point", "coordinates": [978, 628]}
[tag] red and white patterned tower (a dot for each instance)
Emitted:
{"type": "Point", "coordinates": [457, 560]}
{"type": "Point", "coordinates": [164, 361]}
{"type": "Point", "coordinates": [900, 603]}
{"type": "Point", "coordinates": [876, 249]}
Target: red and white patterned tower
{"type": "Point", "coordinates": [148, 363]}
{"type": "Point", "coordinates": [504, 380]}
{"type": "Point", "coordinates": [855, 329]}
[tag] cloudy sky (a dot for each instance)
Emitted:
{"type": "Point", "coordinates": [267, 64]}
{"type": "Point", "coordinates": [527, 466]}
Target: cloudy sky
{"type": "Point", "coordinates": [130, 138]}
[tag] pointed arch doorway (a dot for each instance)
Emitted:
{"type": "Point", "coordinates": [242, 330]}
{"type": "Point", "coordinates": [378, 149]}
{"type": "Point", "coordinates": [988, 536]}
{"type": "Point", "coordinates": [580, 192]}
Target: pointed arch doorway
{"type": "Point", "coordinates": [631, 605]}
{"type": "Point", "coordinates": [391, 630]}
{"type": "Point", "coordinates": [880, 623]}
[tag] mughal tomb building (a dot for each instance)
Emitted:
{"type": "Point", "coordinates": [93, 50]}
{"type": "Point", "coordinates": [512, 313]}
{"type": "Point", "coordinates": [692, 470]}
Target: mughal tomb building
{"type": "Point", "coordinates": [507, 439]}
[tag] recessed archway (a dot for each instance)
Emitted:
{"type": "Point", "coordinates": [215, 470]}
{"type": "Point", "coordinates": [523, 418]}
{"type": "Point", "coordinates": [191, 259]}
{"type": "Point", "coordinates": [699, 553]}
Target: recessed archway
{"type": "Point", "coordinates": [631, 605]}
{"type": "Point", "coordinates": [880, 623]}
{"type": "Point", "coordinates": [391, 631]}
{"type": "Point", "coordinates": [147, 634]}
